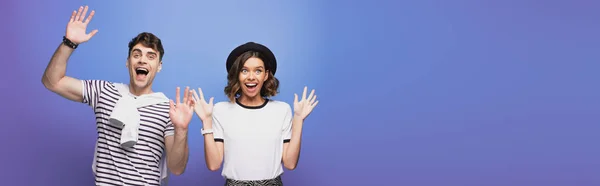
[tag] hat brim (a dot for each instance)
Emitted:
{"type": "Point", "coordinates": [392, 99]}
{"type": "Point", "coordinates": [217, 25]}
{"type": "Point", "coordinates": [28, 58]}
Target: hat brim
{"type": "Point", "coordinates": [267, 55]}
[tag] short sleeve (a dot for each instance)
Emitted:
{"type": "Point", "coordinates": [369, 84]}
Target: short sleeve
{"type": "Point", "coordinates": [217, 129]}
{"type": "Point", "coordinates": [92, 90]}
{"type": "Point", "coordinates": [169, 129]}
{"type": "Point", "coordinates": [287, 125]}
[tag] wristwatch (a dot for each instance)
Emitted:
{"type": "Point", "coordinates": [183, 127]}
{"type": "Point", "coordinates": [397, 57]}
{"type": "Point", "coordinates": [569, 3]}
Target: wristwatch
{"type": "Point", "coordinates": [209, 131]}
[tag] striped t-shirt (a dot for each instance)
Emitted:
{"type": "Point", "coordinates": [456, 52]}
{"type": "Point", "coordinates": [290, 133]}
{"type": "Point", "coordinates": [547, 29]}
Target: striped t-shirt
{"type": "Point", "coordinates": [140, 164]}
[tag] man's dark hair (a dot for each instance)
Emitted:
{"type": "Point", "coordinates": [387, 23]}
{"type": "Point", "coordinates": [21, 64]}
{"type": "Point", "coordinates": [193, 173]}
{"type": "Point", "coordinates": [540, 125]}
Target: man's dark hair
{"type": "Point", "coordinates": [148, 40]}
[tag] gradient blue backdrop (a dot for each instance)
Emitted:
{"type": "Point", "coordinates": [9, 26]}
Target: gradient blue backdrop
{"type": "Point", "coordinates": [427, 92]}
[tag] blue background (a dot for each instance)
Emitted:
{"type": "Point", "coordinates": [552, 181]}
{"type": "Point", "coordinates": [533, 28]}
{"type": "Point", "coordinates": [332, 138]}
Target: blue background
{"type": "Point", "coordinates": [427, 92]}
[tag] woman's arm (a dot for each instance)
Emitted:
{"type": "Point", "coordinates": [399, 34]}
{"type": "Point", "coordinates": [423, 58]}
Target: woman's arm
{"type": "Point", "coordinates": [302, 108]}
{"type": "Point", "coordinates": [291, 149]}
{"type": "Point", "coordinates": [213, 146]}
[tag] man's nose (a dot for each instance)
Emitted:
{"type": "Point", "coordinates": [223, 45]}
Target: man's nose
{"type": "Point", "coordinates": [143, 60]}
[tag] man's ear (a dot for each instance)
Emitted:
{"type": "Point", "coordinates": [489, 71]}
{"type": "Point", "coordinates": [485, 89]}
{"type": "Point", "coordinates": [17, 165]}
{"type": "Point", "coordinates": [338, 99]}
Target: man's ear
{"type": "Point", "coordinates": [159, 66]}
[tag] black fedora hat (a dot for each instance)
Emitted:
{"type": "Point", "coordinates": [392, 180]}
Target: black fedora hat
{"type": "Point", "coordinates": [266, 55]}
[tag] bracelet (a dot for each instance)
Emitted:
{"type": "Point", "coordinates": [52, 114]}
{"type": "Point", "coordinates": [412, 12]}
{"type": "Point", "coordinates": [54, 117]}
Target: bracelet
{"type": "Point", "coordinates": [69, 43]}
{"type": "Point", "coordinates": [208, 131]}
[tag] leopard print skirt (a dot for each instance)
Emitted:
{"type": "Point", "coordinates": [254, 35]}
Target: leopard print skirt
{"type": "Point", "coordinates": [270, 182]}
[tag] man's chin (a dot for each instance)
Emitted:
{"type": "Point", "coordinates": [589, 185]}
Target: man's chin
{"type": "Point", "coordinates": [139, 84]}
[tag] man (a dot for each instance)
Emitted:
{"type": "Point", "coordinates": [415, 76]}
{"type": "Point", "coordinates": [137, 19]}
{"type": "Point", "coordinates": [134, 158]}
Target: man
{"type": "Point", "coordinates": [137, 128]}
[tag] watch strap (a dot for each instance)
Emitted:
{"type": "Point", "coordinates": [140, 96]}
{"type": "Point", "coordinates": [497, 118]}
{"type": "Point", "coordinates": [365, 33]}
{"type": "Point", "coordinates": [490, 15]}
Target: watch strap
{"type": "Point", "coordinates": [209, 131]}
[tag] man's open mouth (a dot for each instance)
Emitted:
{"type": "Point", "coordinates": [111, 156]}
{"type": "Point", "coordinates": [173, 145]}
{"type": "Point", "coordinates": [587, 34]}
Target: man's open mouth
{"type": "Point", "coordinates": [141, 73]}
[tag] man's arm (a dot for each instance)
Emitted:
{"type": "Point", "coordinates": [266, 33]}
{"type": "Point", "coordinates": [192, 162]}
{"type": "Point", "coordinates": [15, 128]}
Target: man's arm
{"type": "Point", "coordinates": [291, 149]}
{"type": "Point", "coordinates": [55, 80]}
{"type": "Point", "coordinates": [177, 130]}
{"type": "Point", "coordinates": [177, 150]}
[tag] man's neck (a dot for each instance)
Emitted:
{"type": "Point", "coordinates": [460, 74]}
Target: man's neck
{"type": "Point", "coordinates": [255, 101]}
{"type": "Point", "coordinates": [140, 91]}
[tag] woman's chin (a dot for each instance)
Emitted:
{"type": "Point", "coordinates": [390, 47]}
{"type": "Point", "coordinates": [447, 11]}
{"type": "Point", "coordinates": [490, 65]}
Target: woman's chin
{"type": "Point", "coordinates": [250, 95]}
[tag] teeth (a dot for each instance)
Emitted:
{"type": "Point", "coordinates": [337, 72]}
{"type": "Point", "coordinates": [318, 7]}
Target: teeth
{"type": "Point", "coordinates": [250, 84]}
{"type": "Point", "coordinates": [140, 68]}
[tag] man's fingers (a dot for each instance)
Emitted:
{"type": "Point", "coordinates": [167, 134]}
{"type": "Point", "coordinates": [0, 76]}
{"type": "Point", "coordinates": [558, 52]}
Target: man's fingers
{"type": "Point", "coordinates": [73, 16]}
{"type": "Point", "coordinates": [312, 101]}
{"type": "Point", "coordinates": [190, 97]}
{"type": "Point", "coordinates": [211, 100]}
{"type": "Point", "coordinates": [83, 14]}
{"type": "Point", "coordinates": [177, 92]}
{"type": "Point", "coordinates": [191, 101]}
{"type": "Point", "coordinates": [185, 95]}
{"type": "Point", "coordinates": [171, 104]}
{"type": "Point", "coordinates": [78, 13]}
{"type": "Point", "coordinates": [91, 34]}
{"type": "Point", "coordinates": [89, 18]}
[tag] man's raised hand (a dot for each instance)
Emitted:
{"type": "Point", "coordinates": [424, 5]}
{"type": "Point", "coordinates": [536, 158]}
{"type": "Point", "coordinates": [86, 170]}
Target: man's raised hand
{"type": "Point", "coordinates": [76, 28]}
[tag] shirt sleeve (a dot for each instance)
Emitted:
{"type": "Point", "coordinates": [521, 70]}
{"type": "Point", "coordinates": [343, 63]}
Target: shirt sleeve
{"type": "Point", "coordinates": [92, 90]}
{"type": "Point", "coordinates": [169, 129]}
{"type": "Point", "coordinates": [217, 127]}
{"type": "Point", "coordinates": [287, 125]}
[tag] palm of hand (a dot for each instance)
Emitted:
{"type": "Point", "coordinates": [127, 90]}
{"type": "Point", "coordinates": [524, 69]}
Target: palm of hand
{"type": "Point", "coordinates": [77, 26]}
{"type": "Point", "coordinates": [181, 113]}
{"type": "Point", "coordinates": [305, 106]}
{"type": "Point", "coordinates": [203, 109]}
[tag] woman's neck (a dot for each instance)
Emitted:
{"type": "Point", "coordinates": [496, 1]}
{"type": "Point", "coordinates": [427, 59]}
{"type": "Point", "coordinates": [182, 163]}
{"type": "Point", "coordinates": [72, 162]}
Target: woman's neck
{"type": "Point", "coordinates": [252, 102]}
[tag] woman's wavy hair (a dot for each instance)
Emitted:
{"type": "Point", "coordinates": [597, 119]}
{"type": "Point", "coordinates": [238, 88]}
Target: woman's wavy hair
{"type": "Point", "coordinates": [233, 88]}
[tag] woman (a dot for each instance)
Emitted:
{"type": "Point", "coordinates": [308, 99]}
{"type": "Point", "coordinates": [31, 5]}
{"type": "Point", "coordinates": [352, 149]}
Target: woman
{"type": "Point", "coordinates": [250, 134]}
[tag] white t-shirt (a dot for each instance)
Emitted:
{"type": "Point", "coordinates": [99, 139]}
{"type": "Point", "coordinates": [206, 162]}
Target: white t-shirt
{"type": "Point", "coordinates": [253, 138]}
